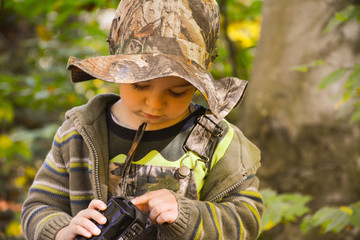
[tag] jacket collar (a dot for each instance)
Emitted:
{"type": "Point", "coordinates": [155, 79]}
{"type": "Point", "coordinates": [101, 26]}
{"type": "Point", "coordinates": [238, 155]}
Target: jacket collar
{"type": "Point", "coordinates": [90, 122]}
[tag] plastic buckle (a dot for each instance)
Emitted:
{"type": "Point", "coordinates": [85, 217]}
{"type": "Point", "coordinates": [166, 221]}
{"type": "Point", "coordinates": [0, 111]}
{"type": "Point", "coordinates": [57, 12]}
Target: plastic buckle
{"type": "Point", "coordinates": [217, 131]}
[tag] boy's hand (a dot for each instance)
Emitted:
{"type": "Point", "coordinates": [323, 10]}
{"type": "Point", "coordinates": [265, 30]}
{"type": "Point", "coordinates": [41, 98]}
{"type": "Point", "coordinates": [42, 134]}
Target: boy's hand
{"type": "Point", "coordinates": [160, 204]}
{"type": "Point", "coordinates": [81, 224]}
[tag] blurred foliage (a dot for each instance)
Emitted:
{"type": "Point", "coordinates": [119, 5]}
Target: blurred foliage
{"type": "Point", "coordinates": [35, 91]}
{"type": "Point", "coordinates": [291, 207]}
{"type": "Point", "coordinates": [241, 24]}
{"type": "Point", "coordinates": [328, 219]}
{"type": "Point", "coordinates": [333, 219]}
{"type": "Point", "coordinates": [350, 12]}
{"type": "Point", "coordinates": [350, 99]}
{"type": "Point", "coordinates": [282, 208]}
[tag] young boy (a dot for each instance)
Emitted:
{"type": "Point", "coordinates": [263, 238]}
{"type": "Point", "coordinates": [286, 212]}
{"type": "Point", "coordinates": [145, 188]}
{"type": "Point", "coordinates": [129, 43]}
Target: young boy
{"type": "Point", "coordinates": [191, 171]}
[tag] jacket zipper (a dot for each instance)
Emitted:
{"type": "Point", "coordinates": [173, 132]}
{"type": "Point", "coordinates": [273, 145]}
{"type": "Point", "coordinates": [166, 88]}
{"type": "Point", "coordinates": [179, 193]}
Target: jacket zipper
{"type": "Point", "coordinates": [96, 165]}
{"type": "Point", "coordinates": [226, 191]}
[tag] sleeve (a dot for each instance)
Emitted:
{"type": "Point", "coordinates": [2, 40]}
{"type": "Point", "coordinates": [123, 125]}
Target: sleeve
{"type": "Point", "coordinates": [231, 207]}
{"type": "Point", "coordinates": [47, 207]}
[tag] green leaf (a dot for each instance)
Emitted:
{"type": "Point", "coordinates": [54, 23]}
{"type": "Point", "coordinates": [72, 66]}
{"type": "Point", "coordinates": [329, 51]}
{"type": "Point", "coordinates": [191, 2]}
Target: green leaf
{"type": "Point", "coordinates": [333, 77]}
{"type": "Point", "coordinates": [23, 150]}
{"type": "Point", "coordinates": [356, 116]}
{"type": "Point", "coordinates": [301, 68]}
{"type": "Point", "coordinates": [6, 112]}
{"type": "Point", "coordinates": [338, 221]}
{"type": "Point", "coordinates": [282, 208]}
{"type": "Point", "coordinates": [353, 81]}
{"type": "Point", "coordinates": [348, 13]}
{"type": "Point", "coordinates": [330, 219]}
{"type": "Point", "coordinates": [306, 67]}
{"type": "Point", "coordinates": [355, 216]}
{"type": "Point", "coordinates": [323, 216]}
{"type": "Point", "coordinates": [346, 108]}
{"type": "Point", "coordinates": [268, 193]}
{"type": "Point", "coordinates": [306, 224]}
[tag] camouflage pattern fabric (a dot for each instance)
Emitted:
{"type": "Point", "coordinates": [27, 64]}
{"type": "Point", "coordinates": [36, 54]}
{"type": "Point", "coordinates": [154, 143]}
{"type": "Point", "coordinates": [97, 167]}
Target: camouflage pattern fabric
{"type": "Point", "coordinates": [149, 39]}
{"type": "Point", "coordinates": [202, 136]}
{"type": "Point", "coordinates": [145, 178]}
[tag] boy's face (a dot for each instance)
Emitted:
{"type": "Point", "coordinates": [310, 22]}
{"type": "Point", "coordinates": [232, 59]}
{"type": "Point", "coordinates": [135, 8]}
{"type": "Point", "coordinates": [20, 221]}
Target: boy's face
{"type": "Point", "coordinates": [160, 102]}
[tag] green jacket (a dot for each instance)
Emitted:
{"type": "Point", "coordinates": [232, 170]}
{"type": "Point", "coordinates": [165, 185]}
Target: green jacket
{"type": "Point", "coordinates": [76, 170]}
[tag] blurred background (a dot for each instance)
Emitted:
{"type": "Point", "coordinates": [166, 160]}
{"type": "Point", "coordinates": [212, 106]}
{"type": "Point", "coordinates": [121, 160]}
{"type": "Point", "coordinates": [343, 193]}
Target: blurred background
{"type": "Point", "coordinates": [302, 108]}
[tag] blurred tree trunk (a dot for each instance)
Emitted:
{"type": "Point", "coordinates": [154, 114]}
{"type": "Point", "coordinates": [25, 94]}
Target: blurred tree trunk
{"type": "Point", "coordinates": [305, 146]}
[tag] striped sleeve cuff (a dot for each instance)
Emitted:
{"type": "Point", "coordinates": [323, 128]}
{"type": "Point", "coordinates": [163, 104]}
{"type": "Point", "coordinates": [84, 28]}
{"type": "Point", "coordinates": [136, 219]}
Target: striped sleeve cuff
{"type": "Point", "coordinates": [51, 225]}
{"type": "Point", "coordinates": [178, 227]}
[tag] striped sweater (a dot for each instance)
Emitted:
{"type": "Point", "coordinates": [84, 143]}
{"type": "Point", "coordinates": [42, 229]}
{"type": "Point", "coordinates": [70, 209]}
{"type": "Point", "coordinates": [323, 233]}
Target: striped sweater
{"type": "Point", "coordinates": [76, 170]}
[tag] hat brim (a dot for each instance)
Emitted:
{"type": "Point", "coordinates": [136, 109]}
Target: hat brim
{"type": "Point", "coordinates": [221, 95]}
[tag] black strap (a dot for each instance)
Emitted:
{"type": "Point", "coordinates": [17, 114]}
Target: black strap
{"type": "Point", "coordinates": [130, 156]}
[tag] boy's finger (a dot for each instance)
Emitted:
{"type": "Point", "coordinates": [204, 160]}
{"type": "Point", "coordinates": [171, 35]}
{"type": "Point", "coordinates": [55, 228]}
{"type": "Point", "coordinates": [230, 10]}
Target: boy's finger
{"type": "Point", "coordinates": [84, 225]}
{"type": "Point", "coordinates": [99, 218]}
{"type": "Point", "coordinates": [147, 197]}
{"type": "Point", "coordinates": [97, 204]}
{"type": "Point", "coordinates": [143, 207]}
{"type": "Point", "coordinates": [83, 232]}
{"type": "Point", "coordinates": [141, 200]}
{"type": "Point", "coordinates": [92, 228]}
{"type": "Point", "coordinates": [93, 214]}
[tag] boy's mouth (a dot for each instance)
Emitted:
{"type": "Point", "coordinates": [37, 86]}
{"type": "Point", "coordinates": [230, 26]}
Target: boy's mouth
{"type": "Point", "coordinates": [149, 116]}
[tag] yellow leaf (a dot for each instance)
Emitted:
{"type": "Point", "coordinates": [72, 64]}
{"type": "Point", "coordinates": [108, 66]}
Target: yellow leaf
{"type": "Point", "coordinates": [71, 98]}
{"type": "Point", "coordinates": [245, 32]}
{"type": "Point", "coordinates": [98, 83]}
{"type": "Point", "coordinates": [6, 113]}
{"type": "Point", "coordinates": [51, 88]}
{"type": "Point", "coordinates": [21, 181]}
{"type": "Point", "coordinates": [43, 33]}
{"type": "Point", "coordinates": [269, 225]}
{"type": "Point", "coordinates": [5, 142]}
{"type": "Point", "coordinates": [30, 172]}
{"type": "Point", "coordinates": [346, 209]}
{"type": "Point", "coordinates": [13, 229]}
{"type": "Point", "coordinates": [340, 103]}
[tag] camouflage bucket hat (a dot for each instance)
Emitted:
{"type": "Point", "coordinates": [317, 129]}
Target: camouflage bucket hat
{"type": "Point", "coordinates": [149, 39]}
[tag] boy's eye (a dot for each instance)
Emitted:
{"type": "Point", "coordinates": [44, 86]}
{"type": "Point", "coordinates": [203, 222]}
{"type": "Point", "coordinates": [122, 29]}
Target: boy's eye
{"type": "Point", "coordinates": [139, 87]}
{"type": "Point", "coordinates": [176, 94]}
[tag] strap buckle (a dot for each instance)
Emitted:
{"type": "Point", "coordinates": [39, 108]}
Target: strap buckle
{"type": "Point", "coordinates": [203, 158]}
{"type": "Point", "coordinates": [216, 130]}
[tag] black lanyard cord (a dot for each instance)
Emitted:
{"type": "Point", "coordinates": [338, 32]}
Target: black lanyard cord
{"type": "Point", "coordinates": [130, 156]}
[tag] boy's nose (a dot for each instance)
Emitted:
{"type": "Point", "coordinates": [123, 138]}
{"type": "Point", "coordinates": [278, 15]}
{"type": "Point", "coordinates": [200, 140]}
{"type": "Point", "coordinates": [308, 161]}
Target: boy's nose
{"type": "Point", "coordinates": [155, 101]}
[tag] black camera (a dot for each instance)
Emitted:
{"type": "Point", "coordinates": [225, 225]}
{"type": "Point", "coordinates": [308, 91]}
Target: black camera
{"type": "Point", "coordinates": [124, 221]}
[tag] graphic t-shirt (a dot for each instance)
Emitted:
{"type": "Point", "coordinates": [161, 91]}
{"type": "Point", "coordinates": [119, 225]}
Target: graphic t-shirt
{"type": "Point", "coordinates": [157, 159]}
